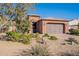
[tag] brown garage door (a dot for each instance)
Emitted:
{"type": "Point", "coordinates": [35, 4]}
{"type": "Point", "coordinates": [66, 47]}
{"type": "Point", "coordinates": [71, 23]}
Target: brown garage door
{"type": "Point", "coordinates": [54, 28]}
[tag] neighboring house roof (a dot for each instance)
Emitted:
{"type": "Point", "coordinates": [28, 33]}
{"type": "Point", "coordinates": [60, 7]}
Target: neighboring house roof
{"type": "Point", "coordinates": [74, 22]}
{"type": "Point", "coordinates": [34, 15]}
{"type": "Point", "coordinates": [54, 20]}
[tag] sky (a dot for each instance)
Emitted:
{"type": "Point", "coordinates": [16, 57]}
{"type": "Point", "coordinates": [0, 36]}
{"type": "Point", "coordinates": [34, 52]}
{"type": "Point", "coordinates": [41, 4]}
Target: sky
{"type": "Point", "coordinates": [57, 10]}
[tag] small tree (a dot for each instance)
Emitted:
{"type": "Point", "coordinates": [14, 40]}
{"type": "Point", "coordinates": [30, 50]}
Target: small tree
{"type": "Point", "coordinates": [23, 25]}
{"type": "Point", "coordinates": [17, 12]}
{"type": "Point", "coordinates": [3, 24]}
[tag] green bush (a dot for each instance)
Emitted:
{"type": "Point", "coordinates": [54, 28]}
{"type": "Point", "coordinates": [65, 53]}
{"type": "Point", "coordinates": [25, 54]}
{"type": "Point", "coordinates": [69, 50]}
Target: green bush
{"type": "Point", "coordinates": [52, 38]}
{"type": "Point", "coordinates": [32, 35]}
{"type": "Point", "coordinates": [71, 31]}
{"type": "Point", "coordinates": [13, 36]}
{"type": "Point", "coordinates": [45, 35]}
{"type": "Point", "coordinates": [26, 38]}
{"type": "Point", "coordinates": [17, 37]}
{"type": "Point", "coordinates": [74, 31]}
{"type": "Point", "coordinates": [77, 32]}
{"type": "Point", "coordinates": [36, 36]}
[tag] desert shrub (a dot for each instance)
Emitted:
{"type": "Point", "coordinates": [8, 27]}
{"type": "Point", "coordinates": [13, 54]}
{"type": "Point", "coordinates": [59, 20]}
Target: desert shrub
{"type": "Point", "coordinates": [71, 40]}
{"type": "Point", "coordinates": [71, 31]}
{"type": "Point", "coordinates": [13, 36]}
{"type": "Point", "coordinates": [45, 35]}
{"type": "Point", "coordinates": [32, 35]}
{"type": "Point", "coordinates": [77, 32]}
{"type": "Point", "coordinates": [36, 36]}
{"type": "Point", "coordinates": [52, 38]}
{"type": "Point", "coordinates": [37, 50]}
{"type": "Point", "coordinates": [70, 53]}
{"type": "Point", "coordinates": [25, 38]}
{"type": "Point", "coordinates": [74, 31]}
{"type": "Point", "coordinates": [40, 51]}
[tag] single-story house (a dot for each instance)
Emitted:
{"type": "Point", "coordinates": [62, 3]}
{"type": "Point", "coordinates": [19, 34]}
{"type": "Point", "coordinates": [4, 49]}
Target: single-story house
{"type": "Point", "coordinates": [50, 26]}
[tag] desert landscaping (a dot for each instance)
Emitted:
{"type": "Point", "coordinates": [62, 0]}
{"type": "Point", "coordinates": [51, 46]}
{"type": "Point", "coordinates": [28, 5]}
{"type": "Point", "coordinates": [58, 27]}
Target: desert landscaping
{"type": "Point", "coordinates": [55, 47]}
{"type": "Point", "coordinates": [22, 34]}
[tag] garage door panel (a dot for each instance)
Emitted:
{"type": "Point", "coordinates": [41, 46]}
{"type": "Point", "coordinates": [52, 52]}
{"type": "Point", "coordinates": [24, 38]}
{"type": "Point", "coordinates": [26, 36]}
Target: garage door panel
{"type": "Point", "coordinates": [54, 28]}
